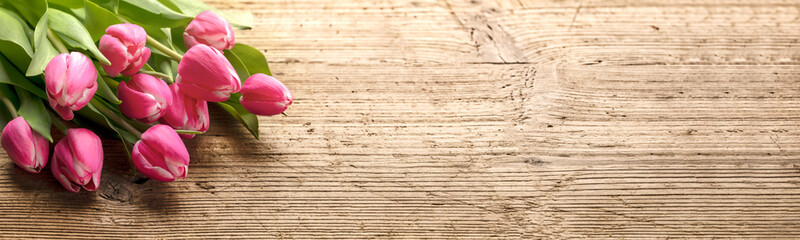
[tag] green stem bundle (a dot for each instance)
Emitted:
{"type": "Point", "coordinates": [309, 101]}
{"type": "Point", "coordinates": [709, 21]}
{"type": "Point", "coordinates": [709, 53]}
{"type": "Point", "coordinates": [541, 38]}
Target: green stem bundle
{"type": "Point", "coordinates": [115, 118]}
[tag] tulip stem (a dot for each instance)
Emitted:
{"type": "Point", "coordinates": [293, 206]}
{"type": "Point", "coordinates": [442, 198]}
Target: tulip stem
{"type": "Point", "coordinates": [188, 132]}
{"type": "Point", "coordinates": [166, 50]}
{"type": "Point", "coordinates": [56, 42]}
{"type": "Point", "coordinates": [116, 118]}
{"type": "Point", "coordinates": [59, 124]}
{"type": "Point", "coordinates": [9, 105]}
{"type": "Point", "coordinates": [166, 77]}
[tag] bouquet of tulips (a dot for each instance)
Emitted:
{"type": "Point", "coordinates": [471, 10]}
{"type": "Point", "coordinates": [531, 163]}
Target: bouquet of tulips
{"type": "Point", "coordinates": [142, 71]}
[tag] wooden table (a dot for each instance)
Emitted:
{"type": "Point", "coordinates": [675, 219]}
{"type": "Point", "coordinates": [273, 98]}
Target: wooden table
{"type": "Point", "coordinates": [479, 119]}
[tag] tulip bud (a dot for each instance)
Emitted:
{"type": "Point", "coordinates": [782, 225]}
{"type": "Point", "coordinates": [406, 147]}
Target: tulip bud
{"type": "Point", "coordinates": [124, 46]}
{"type": "Point", "coordinates": [186, 113]}
{"type": "Point", "coordinates": [71, 81]}
{"type": "Point", "coordinates": [161, 155]}
{"type": "Point", "coordinates": [210, 29]}
{"type": "Point", "coordinates": [265, 95]}
{"type": "Point", "coordinates": [25, 147]}
{"type": "Point", "coordinates": [144, 98]}
{"type": "Point", "coordinates": [205, 74]}
{"type": "Point", "coordinates": [78, 160]}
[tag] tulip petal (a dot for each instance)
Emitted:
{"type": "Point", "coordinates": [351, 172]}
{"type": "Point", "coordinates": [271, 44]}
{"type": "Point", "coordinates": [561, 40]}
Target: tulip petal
{"type": "Point", "coordinates": [62, 166]}
{"type": "Point", "coordinates": [86, 96]}
{"type": "Point", "coordinates": [90, 152]}
{"type": "Point", "coordinates": [141, 157]}
{"type": "Point", "coordinates": [81, 76]}
{"type": "Point", "coordinates": [55, 167]}
{"type": "Point", "coordinates": [63, 111]}
{"type": "Point", "coordinates": [161, 154]}
{"type": "Point", "coordinates": [128, 33]}
{"type": "Point", "coordinates": [165, 140]}
{"type": "Point", "coordinates": [265, 95]}
{"type": "Point", "coordinates": [71, 81]}
{"type": "Point", "coordinates": [138, 63]}
{"type": "Point", "coordinates": [124, 46]}
{"type": "Point", "coordinates": [114, 50]}
{"type": "Point", "coordinates": [207, 75]}
{"type": "Point", "coordinates": [78, 160]}
{"type": "Point", "coordinates": [55, 74]}
{"type": "Point", "coordinates": [136, 104]}
{"type": "Point", "coordinates": [42, 147]}
{"type": "Point", "coordinates": [208, 28]}
{"type": "Point", "coordinates": [144, 97]}
{"type": "Point", "coordinates": [186, 113]}
{"type": "Point", "coordinates": [17, 140]}
{"type": "Point", "coordinates": [264, 108]}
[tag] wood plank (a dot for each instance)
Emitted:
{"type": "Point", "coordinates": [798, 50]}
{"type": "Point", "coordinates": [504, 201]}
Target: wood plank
{"type": "Point", "coordinates": [479, 119]}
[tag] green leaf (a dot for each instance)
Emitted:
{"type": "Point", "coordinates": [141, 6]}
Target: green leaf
{"type": "Point", "coordinates": [102, 88]}
{"type": "Point", "coordinates": [156, 33]}
{"type": "Point", "coordinates": [97, 126]}
{"type": "Point", "coordinates": [26, 28]}
{"type": "Point", "coordinates": [147, 67]}
{"type": "Point", "coordinates": [10, 75]}
{"type": "Point", "coordinates": [5, 117]}
{"type": "Point", "coordinates": [238, 65]}
{"type": "Point", "coordinates": [98, 19]}
{"type": "Point", "coordinates": [14, 41]}
{"type": "Point", "coordinates": [164, 65]}
{"type": "Point", "coordinates": [31, 10]}
{"type": "Point", "coordinates": [170, 5]}
{"type": "Point", "coordinates": [235, 109]}
{"type": "Point", "coordinates": [177, 39]}
{"type": "Point", "coordinates": [152, 12]}
{"type": "Point", "coordinates": [110, 5]}
{"type": "Point", "coordinates": [66, 3]}
{"type": "Point", "coordinates": [33, 110]}
{"type": "Point", "coordinates": [252, 58]}
{"type": "Point", "coordinates": [92, 113]}
{"type": "Point", "coordinates": [7, 90]}
{"type": "Point", "coordinates": [44, 49]}
{"type": "Point", "coordinates": [247, 58]}
{"type": "Point", "coordinates": [240, 20]}
{"type": "Point", "coordinates": [70, 28]}
{"type": "Point", "coordinates": [5, 114]}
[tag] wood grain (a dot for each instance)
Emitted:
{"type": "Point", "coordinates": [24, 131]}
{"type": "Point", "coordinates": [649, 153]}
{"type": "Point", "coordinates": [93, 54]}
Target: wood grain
{"type": "Point", "coordinates": [505, 119]}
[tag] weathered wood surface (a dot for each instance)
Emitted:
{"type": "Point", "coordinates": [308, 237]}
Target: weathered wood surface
{"type": "Point", "coordinates": [480, 119]}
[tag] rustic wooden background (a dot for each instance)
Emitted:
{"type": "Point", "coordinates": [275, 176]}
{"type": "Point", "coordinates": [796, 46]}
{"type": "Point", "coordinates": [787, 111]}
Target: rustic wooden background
{"type": "Point", "coordinates": [479, 119]}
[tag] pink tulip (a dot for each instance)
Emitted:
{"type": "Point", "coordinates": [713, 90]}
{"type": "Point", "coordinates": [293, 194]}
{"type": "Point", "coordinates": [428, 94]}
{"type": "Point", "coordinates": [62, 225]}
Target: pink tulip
{"type": "Point", "coordinates": [161, 155]}
{"type": "Point", "coordinates": [124, 46]}
{"type": "Point", "coordinates": [25, 147]}
{"type": "Point", "coordinates": [71, 81]}
{"type": "Point", "coordinates": [186, 113]}
{"type": "Point", "coordinates": [78, 160]}
{"type": "Point", "coordinates": [205, 74]}
{"type": "Point", "coordinates": [265, 95]}
{"type": "Point", "coordinates": [144, 98]}
{"type": "Point", "coordinates": [210, 29]}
